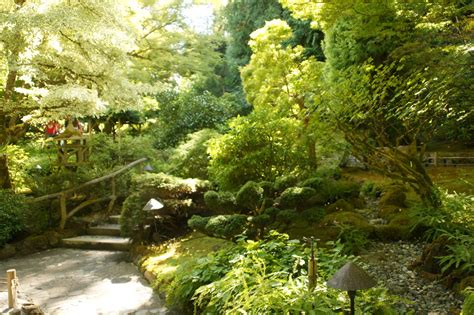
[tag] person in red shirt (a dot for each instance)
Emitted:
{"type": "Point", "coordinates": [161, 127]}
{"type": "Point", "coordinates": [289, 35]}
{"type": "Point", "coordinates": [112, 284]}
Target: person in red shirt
{"type": "Point", "coordinates": [52, 128]}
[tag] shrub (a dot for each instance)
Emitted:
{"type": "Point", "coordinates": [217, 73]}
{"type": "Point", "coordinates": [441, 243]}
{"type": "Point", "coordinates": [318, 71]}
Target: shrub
{"type": "Point", "coordinates": [332, 190]}
{"type": "Point", "coordinates": [190, 159]}
{"type": "Point", "coordinates": [260, 146]}
{"type": "Point", "coordinates": [226, 226]}
{"type": "Point", "coordinates": [249, 196]}
{"type": "Point", "coordinates": [272, 212]}
{"type": "Point", "coordinates": [284, 182]}
{"type": "Point", "coordinates": [12, 215]}
{"type": "Point", "coordinates": [468, 305]}
{"type": "Point", "coordinates": [220, 202]}
{"type": "Point", "coordinates": [17, 158]}
{"type": "Point", "coordinates": [287, 216]}
{"type": "Point", "coordinates": [296, 197]}
{"type": "Point", "coordinates": [314, 182]}
{"type": "Point", "coordinates": [268, 188]}
{"type": "Point", "coordinates": [198, 223]}
{"type": "Point", "coordinates": [313, 215]}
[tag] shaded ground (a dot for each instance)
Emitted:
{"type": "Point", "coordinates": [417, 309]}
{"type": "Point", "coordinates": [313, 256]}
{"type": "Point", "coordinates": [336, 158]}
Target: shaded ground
{"type": "Point", "coordinates": [71, 281]}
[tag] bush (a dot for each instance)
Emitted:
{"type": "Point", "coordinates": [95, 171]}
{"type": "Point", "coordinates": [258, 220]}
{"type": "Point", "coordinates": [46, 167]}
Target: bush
{"type": "Point", "coordinates": [249, 196]}
{"type": "Point", "coordinates": [468, 305]}
{"type": "Point", "coordinates": [296, 197]}
{"type": "Point", "coordinates": [313, 215]}
{"type": "Point", "coordinates": [190, 159]}
{"type": "Point", "coordinates": [220, 202]}
{"type": "Point", "coordinates": [226, 226]}
{"type": "Point", "coordinates": [314, 182]}
{"type": "Point", "coordinates": [268, 188]}
{"type": "Point", "coordinates": [272, 212]}
{"type": "Point", "coordinates": [12, 215]}
{"type": "Point", "coordinates": [259, 147]}
{"type": "Point", "coordinates": [333, 190]}
{"type": "Point", "coordinates": [287, 216]}
{"type": "Point", "coordinates": [198, 223]}
{"type": "Point", "coordinates": [223, 226]}
{"type": "Point", "coordinates": [284, 182]}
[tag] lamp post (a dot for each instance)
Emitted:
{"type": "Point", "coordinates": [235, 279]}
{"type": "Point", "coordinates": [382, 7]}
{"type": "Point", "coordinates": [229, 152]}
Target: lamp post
{"type": "Point", "coordinates": [312, 263]}
{"type": "Point", "coordinates": [351, 278]}
{"type": "Point", "coordinates": [153, 205]}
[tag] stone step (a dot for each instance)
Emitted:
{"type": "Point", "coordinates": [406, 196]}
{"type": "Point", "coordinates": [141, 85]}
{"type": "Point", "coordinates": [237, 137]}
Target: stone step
{"type": "Point", "coordinates": [115, 219]}
{"type": "Point", "coordinates": [98, 242]}
{"type": "Point", "coordinates": [105, 229]}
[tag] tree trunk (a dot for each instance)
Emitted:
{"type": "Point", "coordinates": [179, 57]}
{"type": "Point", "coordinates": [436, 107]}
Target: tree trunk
{"type": "Point", "coordinates": [5, 182]}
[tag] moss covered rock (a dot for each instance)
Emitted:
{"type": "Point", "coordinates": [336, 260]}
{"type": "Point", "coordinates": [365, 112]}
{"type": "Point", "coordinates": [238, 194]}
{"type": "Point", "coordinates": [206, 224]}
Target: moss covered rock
{"type": "Point", "coordinates": [394, 196]}
{"type": "Point", "coordinates": [347, 218]}
{"type": "Point", "coordinates": [387, 212]}
{"type": "Point", "coordinates": [339, 205]}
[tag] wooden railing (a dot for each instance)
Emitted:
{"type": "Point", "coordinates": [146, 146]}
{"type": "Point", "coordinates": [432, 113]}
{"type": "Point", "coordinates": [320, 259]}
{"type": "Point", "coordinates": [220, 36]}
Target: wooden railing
{"type": "Point", "coordinates": [63, 195]}
{"type": "Point", "coordinates": [449, 159]}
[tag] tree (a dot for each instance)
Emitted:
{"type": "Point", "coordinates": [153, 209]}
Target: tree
{"type": "Point", "coordinates": [281, 78]}
{"type": "Point", "coordinates": [397, 71]}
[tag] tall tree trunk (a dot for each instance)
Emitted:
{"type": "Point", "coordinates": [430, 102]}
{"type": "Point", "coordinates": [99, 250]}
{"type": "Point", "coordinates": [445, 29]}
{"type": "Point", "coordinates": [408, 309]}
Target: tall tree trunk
{"type": "Point", "coordinates": [5, 182]}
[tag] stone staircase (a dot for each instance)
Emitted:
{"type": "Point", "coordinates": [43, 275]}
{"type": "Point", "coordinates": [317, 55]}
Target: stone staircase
{"type": "Point", "coordinates": [104, 237]}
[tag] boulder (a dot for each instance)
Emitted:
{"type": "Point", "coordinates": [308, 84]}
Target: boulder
{"type": "Point", "coordinates": [387, 212]}
{"type": "Point", "coordinates": [7, 251]}
{"type": "Point", "coordinates": [393, 196]}
{"type": "Point", "coordinates": [339, 205]}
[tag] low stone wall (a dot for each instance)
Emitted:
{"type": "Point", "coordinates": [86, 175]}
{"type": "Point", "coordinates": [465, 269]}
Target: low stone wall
{"type": "Point", "coordinates": [35, 243]}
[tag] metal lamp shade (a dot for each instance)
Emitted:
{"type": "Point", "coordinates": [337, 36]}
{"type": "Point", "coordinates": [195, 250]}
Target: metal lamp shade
{"type": "Point", "coordinates": [351, 278]}
{"type": "Point", "coordinates": [153, 204]}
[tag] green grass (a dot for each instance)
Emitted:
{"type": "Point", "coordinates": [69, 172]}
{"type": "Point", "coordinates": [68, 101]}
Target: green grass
{"type": "Point", "coordinates": [163, 260]}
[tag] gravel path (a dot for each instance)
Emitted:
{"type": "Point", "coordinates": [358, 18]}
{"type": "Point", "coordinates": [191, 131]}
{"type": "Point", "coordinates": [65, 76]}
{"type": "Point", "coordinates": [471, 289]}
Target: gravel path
{"type": "Point", "coordinates": [389, 264]}
{"type": "Point", "coordinates": [71, 281]}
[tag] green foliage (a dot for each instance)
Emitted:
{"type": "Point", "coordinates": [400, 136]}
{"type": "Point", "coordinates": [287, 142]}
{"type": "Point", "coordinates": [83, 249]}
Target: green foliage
{"type": "Point", "coordinates": [314, 182]}
{"type": "Point", "coordinates": [286, 216]}
{"type": "Point", "coordinates": [17, 158]}
{"type": "Point", "coordinates": [371, 189]}
{"type": "Point", "coordinates": [257, 147]}
{"type": "Point", "coordinates": [468, 305]}
{"type": "Point", "coordinates": [198, 223]}
{"type": "Point", "coordinates": [108, 153]}
{"type": "Point", "coordinates": [182, 113]}
{"type": "Point", "coordinates": [222, 226]}
{"type": "Point", "coordinates": [332, 190]}
{"type": "Point", "coordinates": [250, 196]}
{"type": "Point", "coordinates": [296, 197]}
{"type": "Point", "coordinates": [220, 202]}
{"type": "Point", "coordinates": [12, 215]}
{"type": "Point", "coordinates": [284, 182]}
{"type": "Point", "coordinates": [313, 215]}
{"type": "Point", "coordinates": [353, 239]}
{"type": "Point", "coordinates": [190, 158]}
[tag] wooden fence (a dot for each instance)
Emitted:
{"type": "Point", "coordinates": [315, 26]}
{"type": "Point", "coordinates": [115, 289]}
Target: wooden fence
{"type": "Point", "coordinates": [449, 159]}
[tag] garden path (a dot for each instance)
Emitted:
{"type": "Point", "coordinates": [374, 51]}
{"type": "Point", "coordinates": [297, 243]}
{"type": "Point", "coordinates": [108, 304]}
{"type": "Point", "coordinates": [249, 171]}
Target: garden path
{"type": "Point", "coordinates": [72, 281]}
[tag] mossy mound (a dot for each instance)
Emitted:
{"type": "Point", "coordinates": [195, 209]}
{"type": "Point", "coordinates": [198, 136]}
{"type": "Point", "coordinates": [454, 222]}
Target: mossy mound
{"type": "Point", "coordinates": [339, 205]}
{"type": "Point", "coordinates": [347, 218]}
{"type": "Point", "coordinates": [249, 196]}
{"type": "Point", "coordinates": [387, 212]}
{"type": "Point", "coordinates": [394, 196]}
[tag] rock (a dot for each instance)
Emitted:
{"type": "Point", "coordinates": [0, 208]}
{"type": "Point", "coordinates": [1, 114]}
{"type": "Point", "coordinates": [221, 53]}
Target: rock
{"type": "Point", "coordinates": [391, 232]}
{"type": "Point", "coordinates": [53, 237]}
{"type": "Point", "coordinates": [429, 258]}
{"type": "Point", "coordinates": [347, 218]}
{"type": "Point", "coordinates": [33, 244]}
{"type": "Point", "coordinates": [7, 251]}
{"type": "Point", "coordinates": [393, 196]}
{"type": "Point", "coordinates": [358, 203]}
{"type": "Point", "coordinates": [339, 205]}
{"type": "Point", "coordinates": [149, 276]}
{"type": "Point", "coordinates": [387, 212]}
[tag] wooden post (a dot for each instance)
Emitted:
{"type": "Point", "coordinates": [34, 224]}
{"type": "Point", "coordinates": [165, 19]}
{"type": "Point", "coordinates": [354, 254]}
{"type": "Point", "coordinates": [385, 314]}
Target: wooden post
{"type": "Point", "coordinates": [435, 158]}
{"type": "Point", "coordinates": [11, 287]}
{"type": "Point", "coordinates": [62, 204]}
{"type": "Point", "coordinates": [113, 195]}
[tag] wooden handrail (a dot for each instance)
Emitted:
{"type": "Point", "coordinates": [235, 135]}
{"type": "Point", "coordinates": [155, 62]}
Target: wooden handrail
{"type": "Point", "coordinates": [62, 195]}
{"type": "Point", "coordinates": [91, 182]}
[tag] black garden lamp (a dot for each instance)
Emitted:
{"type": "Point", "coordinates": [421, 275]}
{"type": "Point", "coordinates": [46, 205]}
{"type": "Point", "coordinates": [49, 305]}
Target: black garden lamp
{"type": "Point", "coordinates": [351, 278]}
